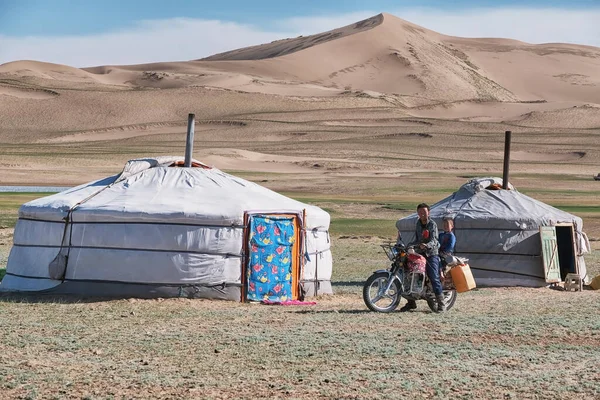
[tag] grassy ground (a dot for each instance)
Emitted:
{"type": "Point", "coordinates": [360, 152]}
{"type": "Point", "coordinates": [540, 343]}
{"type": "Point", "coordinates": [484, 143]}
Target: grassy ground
{"type": "Point", "coordinates": [9, 206]}
{"type": "Point", "coordinates": [496, 343]}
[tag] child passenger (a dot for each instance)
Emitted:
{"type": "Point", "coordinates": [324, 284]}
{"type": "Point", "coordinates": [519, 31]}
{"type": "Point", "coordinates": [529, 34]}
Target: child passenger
{"type": "Point", "coordinates": [447, 239]}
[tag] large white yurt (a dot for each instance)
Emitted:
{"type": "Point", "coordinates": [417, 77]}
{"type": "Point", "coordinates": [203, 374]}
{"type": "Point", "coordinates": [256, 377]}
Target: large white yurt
{"type": "Point", "coordinates": [159, 229]}
{"type": "Point", "coordinates": [509, 238]}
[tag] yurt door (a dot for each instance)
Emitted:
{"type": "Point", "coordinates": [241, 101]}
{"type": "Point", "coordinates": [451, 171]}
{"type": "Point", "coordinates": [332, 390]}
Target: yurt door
{"type": "Point", "coordinates": [273, 258]}
{"type": "Point", "coordinates": [550, 254]}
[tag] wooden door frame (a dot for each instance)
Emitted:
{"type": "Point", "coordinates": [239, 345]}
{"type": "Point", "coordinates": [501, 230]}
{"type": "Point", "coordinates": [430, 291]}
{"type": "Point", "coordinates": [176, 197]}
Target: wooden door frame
{"type": "Point", "coordinates": [573, 242]}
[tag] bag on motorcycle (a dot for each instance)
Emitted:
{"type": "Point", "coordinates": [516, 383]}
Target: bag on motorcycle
{"type": "Point", "coordinates": [462, 278]}
{"type": "Point", "coordinates": [416, 263]}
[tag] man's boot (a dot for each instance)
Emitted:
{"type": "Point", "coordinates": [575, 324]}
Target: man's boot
{"type": "Point", "coordinates": [410, 305]}
{"type": "Point", "coordinates": [441, 305]}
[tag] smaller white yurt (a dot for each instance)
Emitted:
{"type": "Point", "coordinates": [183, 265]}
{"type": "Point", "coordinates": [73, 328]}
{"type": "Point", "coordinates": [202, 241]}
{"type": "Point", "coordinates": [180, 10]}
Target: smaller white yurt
{"type": "Point", "coordinates": [509, 238]}
{"type": "Point", "coordinates": [159, 229]}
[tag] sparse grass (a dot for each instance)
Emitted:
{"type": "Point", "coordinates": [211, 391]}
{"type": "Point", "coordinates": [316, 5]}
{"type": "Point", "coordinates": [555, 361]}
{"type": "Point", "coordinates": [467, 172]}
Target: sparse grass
{"type": "Point", "coordinates": [406, 207]}
{"type": "Point", "coordinates": [578, 194]}
{"type": "Point", "coordinates": [10, 203]}
{"type": "Point", "coordinates": [251, 175]}
{"type": "Point", "coordinates": [578, 209]}
{"type": "Point", "coordinates": [328, 198]}
{"type": "Point", "coordinates": [355, 226]}
{"type": "Point", "coordinates": [9, 209]}
{"type": "Point", "coordinates": [552, 177]}
{"type": "Point", "coordinates": [592, 260]}
{"type": "Point", "coordinates": [496, 343]}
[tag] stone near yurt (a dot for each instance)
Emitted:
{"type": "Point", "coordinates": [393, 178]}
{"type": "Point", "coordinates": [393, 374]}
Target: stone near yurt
{"type": "Point", "coordinates": [509, 238]}
{"type": "Point", "coordinates": [158, 229]}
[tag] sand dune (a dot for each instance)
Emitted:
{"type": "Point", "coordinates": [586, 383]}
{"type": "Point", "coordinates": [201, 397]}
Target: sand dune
{"type": "Point", "coordinates": [43, 70]}
{"type": "Point", "coordinates": [131, 131]}
{"type": "Point", "coordinates": [393, 56]}
{"type": "Point", "coordinates": [585, 116]}
{"type": "Point", "coordinates": [26, 93]}
{"type": "Point", "coordinates": [372, 122]}
{"type": "Point", "coordinates": [380, 56]}
{"type": "Point", "coordinates": [557, 72]}
{"type": "Point", "coordinates": [489, 111]}
{"type": "Point", "coordinates": [287, 46]}
{"type": "Point", "coordinates": [354, 102]}
{"type": "Point", "coordinates": [539, 156]}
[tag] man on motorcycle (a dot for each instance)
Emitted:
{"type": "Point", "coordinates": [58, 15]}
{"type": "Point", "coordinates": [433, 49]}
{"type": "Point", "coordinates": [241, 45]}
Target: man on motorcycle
{"type": "Point", "coordinates": [426, 243]}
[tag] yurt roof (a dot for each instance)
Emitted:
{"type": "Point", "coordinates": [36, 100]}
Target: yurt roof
{"type": "Point", "coordinates": [155, 189]}
{"type": "Point", "coordinates": [482, 203]}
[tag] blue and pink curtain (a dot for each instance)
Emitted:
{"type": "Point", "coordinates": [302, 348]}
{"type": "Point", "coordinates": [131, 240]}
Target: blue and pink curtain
{"type": "Point", "coordinates": [270, 265]}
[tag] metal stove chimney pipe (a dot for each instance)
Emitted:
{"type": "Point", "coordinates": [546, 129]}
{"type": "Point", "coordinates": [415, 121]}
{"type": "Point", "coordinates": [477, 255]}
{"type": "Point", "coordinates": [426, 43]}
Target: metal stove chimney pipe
{"type": "Point", "coordinates": [189, 143]}
{"type": "Point", "coordinates": [506, 159]}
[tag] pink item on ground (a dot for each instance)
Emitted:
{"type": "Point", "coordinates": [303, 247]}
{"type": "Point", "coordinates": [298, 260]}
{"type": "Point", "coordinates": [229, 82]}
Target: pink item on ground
{"type": "Point", "coordinates": [288, 303]}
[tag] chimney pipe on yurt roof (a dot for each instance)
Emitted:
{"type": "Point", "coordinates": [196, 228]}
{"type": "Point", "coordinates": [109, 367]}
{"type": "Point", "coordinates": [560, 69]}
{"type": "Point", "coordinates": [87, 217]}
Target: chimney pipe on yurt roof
{"type": "Point", "coordinates": [189, 143]}
{"type": "Point", "coordinates": [507, 135]}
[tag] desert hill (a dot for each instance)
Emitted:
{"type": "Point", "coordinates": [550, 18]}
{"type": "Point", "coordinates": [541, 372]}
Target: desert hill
{"type": "Point", "coordinates": [396, 57]}
{"type": "Point", "coordinates": [287, 46]}
{"type": "Point", "coordinates": [378, 86]}
{"type": "Point", "coordinates": [381, 56]}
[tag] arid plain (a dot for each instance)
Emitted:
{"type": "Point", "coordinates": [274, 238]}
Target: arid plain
{"type": "Point", "coordinates": [366, 121]}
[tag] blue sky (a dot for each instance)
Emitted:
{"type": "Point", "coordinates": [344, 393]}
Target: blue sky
{"type": "Point", "coordinates": [86, 33]}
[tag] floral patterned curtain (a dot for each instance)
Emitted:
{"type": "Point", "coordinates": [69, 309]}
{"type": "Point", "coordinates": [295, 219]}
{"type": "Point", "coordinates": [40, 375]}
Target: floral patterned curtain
{"type": "Point", "coordinates": [270, 268]}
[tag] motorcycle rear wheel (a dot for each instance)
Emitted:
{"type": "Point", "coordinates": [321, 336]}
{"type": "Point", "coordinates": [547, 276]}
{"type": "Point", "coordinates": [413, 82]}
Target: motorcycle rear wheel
{"type": "Point", "coordinates": [449, 299]}
{"type": "Point", "coordinates": [378, 301]}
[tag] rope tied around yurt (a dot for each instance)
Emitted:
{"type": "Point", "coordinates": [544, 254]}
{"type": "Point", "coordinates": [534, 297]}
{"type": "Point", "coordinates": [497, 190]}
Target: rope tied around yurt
{"type": "Point", "coordinates": [57, 269]}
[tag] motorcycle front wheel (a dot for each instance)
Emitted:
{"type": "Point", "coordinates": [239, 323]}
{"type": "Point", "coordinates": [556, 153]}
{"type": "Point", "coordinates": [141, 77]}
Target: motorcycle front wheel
{"type": "Point", "coordinates": [449, 300]}
{"type": "Point", "coordinates": [376, 298]}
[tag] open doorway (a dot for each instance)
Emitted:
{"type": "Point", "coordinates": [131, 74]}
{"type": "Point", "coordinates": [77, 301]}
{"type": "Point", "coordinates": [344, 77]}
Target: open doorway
{"type": "Point", "coordinates": [566, 251]}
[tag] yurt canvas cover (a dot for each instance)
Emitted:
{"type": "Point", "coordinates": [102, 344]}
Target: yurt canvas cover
{"type": "Point", "coordinates": [160, 230]}
{"type": "Point", "coordinates": [509, 238]}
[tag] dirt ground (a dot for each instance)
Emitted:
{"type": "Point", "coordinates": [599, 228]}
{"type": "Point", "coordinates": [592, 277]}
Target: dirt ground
{"type": "Point", "coordinates": [495, 343]}
{"type": "Point", "coordinates": [366, 156]}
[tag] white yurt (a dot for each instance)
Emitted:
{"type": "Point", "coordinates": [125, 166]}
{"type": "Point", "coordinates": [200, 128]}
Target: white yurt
{"type": "Point", "coordinates": [159, 229]}
{"type": "Point", "coordinates": [509, 238]}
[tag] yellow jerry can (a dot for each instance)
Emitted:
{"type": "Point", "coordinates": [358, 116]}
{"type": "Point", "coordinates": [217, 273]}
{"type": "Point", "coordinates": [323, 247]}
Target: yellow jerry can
{"type": "Point", "coordinates": [462, 278]}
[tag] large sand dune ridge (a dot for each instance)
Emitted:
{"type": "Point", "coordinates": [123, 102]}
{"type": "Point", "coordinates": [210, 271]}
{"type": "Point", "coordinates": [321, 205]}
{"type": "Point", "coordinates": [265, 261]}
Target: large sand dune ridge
{"type": "Point", "coordinates": [374, 90]}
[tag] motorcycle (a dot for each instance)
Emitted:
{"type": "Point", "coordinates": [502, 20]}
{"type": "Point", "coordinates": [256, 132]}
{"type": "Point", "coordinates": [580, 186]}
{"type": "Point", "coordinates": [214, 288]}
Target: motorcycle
{"type": "Point", "coordinates": [406, 278]}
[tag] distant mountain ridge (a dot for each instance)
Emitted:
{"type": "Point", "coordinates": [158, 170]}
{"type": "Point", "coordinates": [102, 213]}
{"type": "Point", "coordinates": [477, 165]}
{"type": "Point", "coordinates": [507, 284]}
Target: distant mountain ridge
{"type": "Point", "coordinates": [286, 46]}
{"type": "Point", "coordinates": [382, 56]}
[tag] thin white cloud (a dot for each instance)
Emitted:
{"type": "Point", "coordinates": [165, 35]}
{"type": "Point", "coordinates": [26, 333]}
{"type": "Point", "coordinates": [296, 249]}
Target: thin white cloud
{"type": "Point", "coordinates": [187, 39]}
{"type": "Point", "coordinates": [178, 39]}
{"type": "Point", "coordinates": [316, 24]}
{"type": "Point", "coordinates": [550, 25]}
